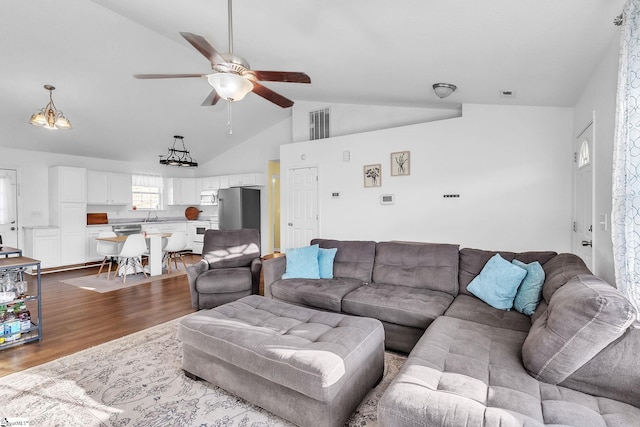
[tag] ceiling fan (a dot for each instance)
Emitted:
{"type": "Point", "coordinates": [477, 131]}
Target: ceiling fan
{"type": "Point", "coordinates": [232, 78]}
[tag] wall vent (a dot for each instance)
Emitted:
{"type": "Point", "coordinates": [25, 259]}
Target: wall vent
{"type": "Point", "coordinates": [319, 124]}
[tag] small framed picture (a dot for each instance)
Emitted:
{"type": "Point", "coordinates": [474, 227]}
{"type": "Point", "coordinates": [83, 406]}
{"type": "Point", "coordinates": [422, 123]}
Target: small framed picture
{"type": "Point", "coordinates": [400, 163]}
{"type": "Point", "coordinates": [372, 175]}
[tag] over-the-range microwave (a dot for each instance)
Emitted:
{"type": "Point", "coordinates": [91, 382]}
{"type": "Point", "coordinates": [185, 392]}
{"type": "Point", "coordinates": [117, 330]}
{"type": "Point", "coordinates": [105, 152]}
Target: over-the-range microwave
{"type": "Point", "coordinates": [209, 198]}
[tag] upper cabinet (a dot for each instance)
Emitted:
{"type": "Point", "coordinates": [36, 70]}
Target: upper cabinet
{"type": "Point", "coordinates": [107, 188]}
{"type": "Point", "coordinates": [67, 184]}
{"type": "Point", "coordinates": [183, 191]}
{"type": "Point", "coordinates": [246, 180]}
{"type": "Point", "coordinates": [210, 183]}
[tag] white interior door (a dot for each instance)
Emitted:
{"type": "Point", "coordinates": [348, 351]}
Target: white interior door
{"type": "Point", "coordinates": [302, 206]}
{"type": "Point", "coordinates": [583, 207]}
{"type": "Point", "coordinates": [8, 208]}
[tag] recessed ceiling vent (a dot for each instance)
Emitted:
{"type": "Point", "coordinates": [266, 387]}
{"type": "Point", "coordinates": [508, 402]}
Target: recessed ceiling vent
{"type": "Point", "coordinates": [507, 94]}
{"type": "Point", "coordinates": [319, 124]}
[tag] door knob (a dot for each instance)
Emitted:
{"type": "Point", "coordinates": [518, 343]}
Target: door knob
{"type": "Point", "coordinates": [13, 228]}
{"type": "Point", "coordinates": [586, 243]}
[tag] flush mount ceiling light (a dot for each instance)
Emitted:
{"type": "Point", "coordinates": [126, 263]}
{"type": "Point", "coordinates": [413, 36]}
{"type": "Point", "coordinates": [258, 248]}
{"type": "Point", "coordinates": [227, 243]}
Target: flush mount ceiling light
{"type": "Point", "coordinates": [50, 117]}
{"type": "Point", "coordinates": [444, 89]}
{"type": "Point", "coordinates": [177, 157]}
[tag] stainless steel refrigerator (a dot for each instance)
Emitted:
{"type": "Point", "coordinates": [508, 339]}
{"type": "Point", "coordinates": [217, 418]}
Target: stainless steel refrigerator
{"type": "Point", "coordinates": [239, 208]}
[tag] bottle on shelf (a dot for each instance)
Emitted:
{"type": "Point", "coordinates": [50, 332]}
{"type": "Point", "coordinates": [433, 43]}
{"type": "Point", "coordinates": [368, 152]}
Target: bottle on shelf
{"type": "Point", "coordinates": [11, 327]}
{"type": "Point", "coordinates": [24, 316]}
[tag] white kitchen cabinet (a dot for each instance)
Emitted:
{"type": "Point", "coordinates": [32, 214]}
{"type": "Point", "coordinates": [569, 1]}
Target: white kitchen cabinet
{"type": "Point", "coordinates": [68, 212]}
{"type": "Point", "coordinates": [224, 181]}
{"type": "Point", "coordinates": [183, 191]}
{"type": "Point", "coordinates": [246, 180]}
{"type": "Point", "coordinates": [67, 184]}
{"type": "Point", "coordinates": [210, 183]}
{"type": "Point", "coordinates": [43, 243]}
{"type": "Point", "coordinates": [107, 188]}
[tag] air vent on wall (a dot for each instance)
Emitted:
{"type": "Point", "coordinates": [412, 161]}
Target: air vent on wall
{"type": "Point", "coordinates": [319, 124]}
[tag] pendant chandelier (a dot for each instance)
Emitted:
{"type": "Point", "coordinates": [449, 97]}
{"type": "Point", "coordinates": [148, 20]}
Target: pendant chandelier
{"type": "Point", "coordinates": [50, 117]}
{"type": "Point", "coordinates": [177, 157]}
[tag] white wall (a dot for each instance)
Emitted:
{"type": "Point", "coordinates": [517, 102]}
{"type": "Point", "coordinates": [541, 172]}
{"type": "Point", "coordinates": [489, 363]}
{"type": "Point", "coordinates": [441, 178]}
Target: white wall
{"type": "Point", "coordinates": [510, 165]}
{"type": "Point", "coordinates": [349, 119]}
{"type": "Point", "coordinates": [598, 102]}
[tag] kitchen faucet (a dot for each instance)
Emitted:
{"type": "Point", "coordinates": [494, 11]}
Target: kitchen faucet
{"type": "Point", "coordinates": [149, 217]}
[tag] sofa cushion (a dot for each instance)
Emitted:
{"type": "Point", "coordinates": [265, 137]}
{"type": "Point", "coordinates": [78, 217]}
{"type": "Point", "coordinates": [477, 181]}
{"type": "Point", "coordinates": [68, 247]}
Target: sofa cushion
{"type": "Point", "coordinates": [497, 283]}
{"type": "Point", "coordinates": [401, 305]}
{"type": "Point", "coordinates": [417, 265]}
{"type": "Point", "coordinates": [231, 248]}
{"type": "Point", "coordinates": [470, 308]}
{"type": "Point", "coordinates": [612, 373]}
{"type": "Point", "coordinates": [224, 280]}
{"type": "Point", "coordinates": [302, 263]}
{"type": "Point", "coordinates": [530, 290]}
{"type": "Point", "coordinates": [354, 258]}
{"type": "Point", "coordinates": [326, 294]}
{"type": "Point", "coordinates": [559, 271]}
{"type": "Point", "coordinates": [583, 317]}
{"type": "Point", "coordinates": [464, 373]}
{"type": "Point", "coordinates": [325, 262]}
{"type": "Point", "coordinates": [473, 260]}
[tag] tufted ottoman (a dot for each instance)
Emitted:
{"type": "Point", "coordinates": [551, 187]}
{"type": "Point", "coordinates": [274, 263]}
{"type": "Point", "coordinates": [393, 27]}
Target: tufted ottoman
{"type": "Point", "coordinates": [310, 367]}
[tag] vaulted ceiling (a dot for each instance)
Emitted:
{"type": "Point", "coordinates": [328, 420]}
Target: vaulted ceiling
{"type": "Point", "coordinates": [375, 52]}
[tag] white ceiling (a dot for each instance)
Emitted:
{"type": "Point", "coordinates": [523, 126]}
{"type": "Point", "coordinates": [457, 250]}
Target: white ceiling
{"type": "Point", "coordinates": [376, 52]}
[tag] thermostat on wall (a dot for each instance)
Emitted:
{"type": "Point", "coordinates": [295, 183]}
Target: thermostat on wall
{"type": "Point", "coordinates": [387, 199]}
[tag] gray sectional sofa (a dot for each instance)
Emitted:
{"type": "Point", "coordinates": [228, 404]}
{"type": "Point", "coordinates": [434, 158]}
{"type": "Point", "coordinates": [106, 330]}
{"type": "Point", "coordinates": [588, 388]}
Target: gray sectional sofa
{"type": "Point", "coordinates": [574, 362]}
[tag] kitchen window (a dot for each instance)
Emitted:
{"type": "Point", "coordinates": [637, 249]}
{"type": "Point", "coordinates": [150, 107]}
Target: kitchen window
{"type": "Point", "coordinates": [146, 191]}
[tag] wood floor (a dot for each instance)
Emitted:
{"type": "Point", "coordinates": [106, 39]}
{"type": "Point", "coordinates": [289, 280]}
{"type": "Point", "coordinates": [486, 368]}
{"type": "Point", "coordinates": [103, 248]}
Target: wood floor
{"type": "Point", "coordinates": [74, 319]}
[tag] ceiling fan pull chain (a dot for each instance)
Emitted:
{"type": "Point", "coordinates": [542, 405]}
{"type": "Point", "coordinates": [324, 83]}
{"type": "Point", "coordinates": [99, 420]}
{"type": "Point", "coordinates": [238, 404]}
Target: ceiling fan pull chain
{"type": "Point", "coordinates": [229, 117]}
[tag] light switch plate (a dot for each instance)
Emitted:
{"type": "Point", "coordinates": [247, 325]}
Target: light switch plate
{"type": "Point", "coordinates": [387, 199]}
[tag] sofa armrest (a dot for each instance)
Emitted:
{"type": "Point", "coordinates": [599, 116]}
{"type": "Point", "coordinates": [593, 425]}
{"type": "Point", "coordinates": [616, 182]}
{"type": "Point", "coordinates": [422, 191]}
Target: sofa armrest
{"type": "Point", "coordinates": [193, 271]}
{"type": "Point", "coordinates": [273, 270]}
{"type": "Point", "coordinates": [256, 267]}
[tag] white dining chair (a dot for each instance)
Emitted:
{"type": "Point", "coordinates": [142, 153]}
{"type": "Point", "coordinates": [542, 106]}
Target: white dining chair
{"type": "Point", "coordinates": [109, 250]}
{"type": "Point", "coordinates": [176, 243]}
{"type": "Point", "coordinates": [130, 255]}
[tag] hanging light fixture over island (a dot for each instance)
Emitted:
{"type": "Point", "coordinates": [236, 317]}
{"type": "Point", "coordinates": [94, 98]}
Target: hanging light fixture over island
{"type": "Point", "coordinates": [177, 157]}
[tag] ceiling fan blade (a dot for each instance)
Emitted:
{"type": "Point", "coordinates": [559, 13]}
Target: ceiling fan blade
{"type": "Point", "coordinates": [272, 96]}
{"type": "Point", "coordinates": [166, 76]}
{"type": "Point", "coordinates": [282, 76]}
{"type": "Point", "coordinates": [204, 48]}
{"type": "Point", "coordinates": [211, 99]}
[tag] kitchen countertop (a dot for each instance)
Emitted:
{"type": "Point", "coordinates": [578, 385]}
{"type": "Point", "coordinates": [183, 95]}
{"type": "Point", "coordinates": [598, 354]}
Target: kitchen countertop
{"type": "Point", "coordinates": [123, 221]}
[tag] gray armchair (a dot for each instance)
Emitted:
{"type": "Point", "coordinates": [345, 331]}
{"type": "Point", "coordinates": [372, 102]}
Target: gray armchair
{"type": "Point", "coordinates": [229, 270]}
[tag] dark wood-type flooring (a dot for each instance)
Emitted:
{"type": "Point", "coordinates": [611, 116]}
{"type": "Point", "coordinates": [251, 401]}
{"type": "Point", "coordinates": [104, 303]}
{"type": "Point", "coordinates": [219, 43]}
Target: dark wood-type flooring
{"type": "Point", "coordinates": [74, 319]}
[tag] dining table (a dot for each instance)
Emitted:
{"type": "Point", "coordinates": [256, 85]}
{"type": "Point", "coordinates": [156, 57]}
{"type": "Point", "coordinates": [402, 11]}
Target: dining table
{"type": "Point", "coordinates": [155, 249]}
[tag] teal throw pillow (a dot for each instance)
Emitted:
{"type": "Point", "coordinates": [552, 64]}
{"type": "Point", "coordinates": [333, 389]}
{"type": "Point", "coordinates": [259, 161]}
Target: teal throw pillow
{"type": "Point", "coordinates": [497, 283]}
{"type": "Point", "coordinates": [302, 263]}
{"type": "Point", "coordinates": [530, 290]}
{"type": "Point", "coordinates": [325, 262]}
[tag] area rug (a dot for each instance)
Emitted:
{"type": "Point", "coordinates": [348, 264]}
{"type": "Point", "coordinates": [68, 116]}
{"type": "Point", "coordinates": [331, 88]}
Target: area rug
{"type": "Point", "coordinates": [137, 380]}
{"type": "Point", "coordinates": [102, 284]}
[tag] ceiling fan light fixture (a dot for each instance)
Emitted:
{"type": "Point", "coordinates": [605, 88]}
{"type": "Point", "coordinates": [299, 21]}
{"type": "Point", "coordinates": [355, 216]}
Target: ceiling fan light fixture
{"type": "Point", "coordinates": [50, 117]}
{"type": "Point", "coordinates": [443, 90]}
{"type": "Point", "coordinates": [229, 86]}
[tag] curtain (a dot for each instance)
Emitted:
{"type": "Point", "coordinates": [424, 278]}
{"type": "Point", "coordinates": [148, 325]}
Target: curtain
{"type": "Point", "coordinates": [146, 180]}
{"type": "Point", "coordinates": [625, 216]}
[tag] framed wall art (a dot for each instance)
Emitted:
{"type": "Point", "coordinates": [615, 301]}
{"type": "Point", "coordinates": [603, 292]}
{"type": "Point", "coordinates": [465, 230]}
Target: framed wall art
{"type": "Point", "coordinates": [372, 175]}
{"type": "Point", "coordinates": [400, 163]}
